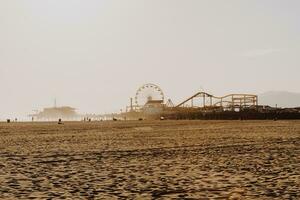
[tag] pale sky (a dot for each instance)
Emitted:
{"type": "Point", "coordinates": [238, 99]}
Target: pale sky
{"type": "Point", "coordinates": [93, 54]}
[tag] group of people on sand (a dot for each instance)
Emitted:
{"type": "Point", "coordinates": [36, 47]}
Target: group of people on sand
{"type": "Point", "coordinates": [8, 120]}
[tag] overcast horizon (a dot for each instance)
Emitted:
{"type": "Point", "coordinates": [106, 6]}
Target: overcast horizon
{"type": "Point", "coordinates": [93, 55]}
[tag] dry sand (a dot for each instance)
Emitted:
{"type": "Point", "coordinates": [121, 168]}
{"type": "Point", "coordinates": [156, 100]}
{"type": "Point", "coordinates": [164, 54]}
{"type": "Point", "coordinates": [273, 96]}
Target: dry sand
{"type": "Point", "coordinates": [150, 160]}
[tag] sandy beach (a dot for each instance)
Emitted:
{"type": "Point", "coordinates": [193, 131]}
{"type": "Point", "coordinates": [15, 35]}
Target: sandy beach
{"type": "Point", "coordinates": [150, 160]}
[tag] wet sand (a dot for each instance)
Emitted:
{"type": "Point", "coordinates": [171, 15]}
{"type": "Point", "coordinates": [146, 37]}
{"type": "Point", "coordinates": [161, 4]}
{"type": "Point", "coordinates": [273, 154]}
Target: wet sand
{"type": "Point", "coordinates": [150, 160]}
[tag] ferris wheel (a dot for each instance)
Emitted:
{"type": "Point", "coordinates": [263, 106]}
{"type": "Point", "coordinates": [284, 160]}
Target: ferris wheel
{"type": "Point", "coordinates": [147, 93]}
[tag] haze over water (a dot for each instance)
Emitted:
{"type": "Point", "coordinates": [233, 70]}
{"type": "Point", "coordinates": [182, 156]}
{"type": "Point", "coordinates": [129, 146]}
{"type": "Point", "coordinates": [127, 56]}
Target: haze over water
{"type": "Point", "coordinates": [93, 55]}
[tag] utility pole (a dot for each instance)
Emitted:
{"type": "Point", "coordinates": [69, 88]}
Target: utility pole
{"type": "Point", "coordinates": [131, 106]}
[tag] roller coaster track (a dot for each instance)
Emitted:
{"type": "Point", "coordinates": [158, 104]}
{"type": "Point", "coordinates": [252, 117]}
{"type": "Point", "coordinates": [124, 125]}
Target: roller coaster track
{"type": "Point", "coordinates": [230, 100]}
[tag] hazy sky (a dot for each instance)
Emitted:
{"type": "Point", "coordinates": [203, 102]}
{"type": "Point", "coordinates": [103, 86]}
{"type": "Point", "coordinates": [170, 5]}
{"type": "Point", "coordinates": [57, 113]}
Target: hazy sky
{"type": "Point", "coordinates": [93, 54]}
